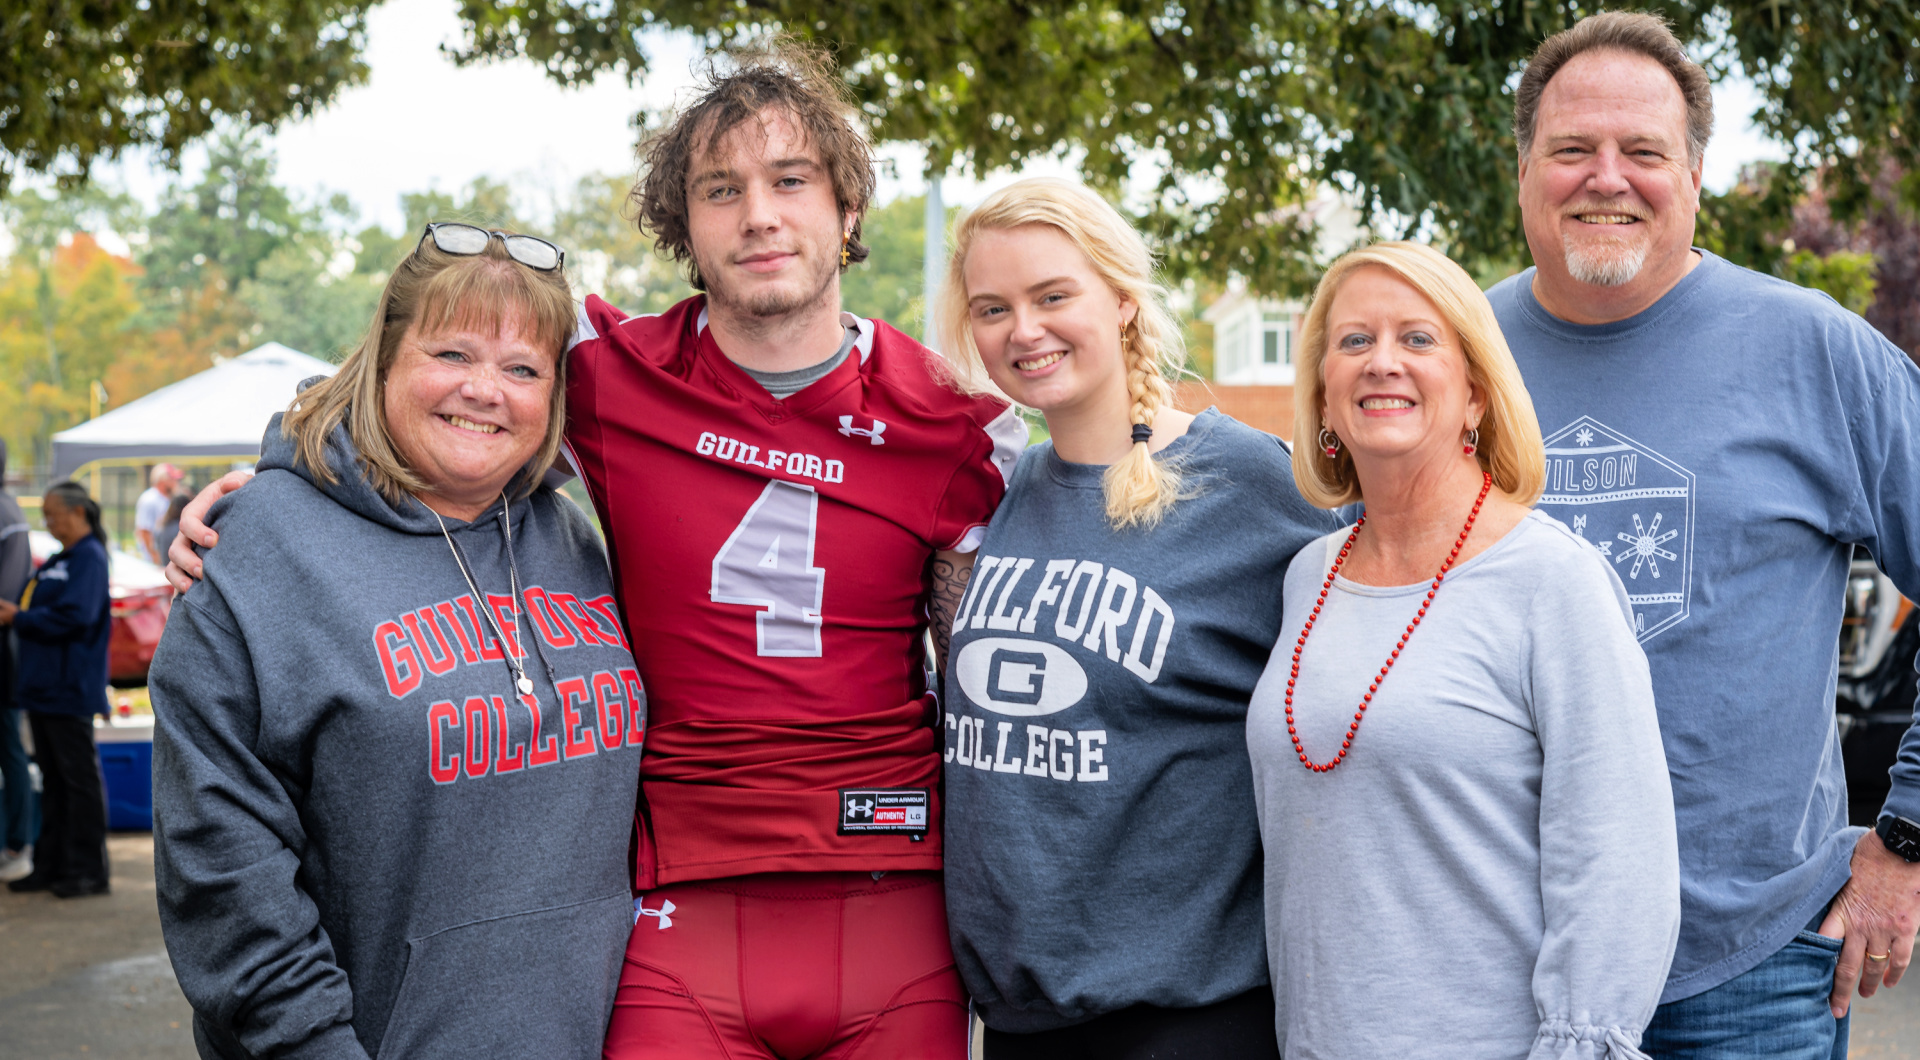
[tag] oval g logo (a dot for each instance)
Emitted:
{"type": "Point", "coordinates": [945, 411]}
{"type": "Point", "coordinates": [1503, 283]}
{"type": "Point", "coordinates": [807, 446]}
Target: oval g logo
{"type": "Point", "coordinates": [1022, 678]}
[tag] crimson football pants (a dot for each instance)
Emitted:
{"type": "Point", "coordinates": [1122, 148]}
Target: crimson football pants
{"type": "Point", "coordinates": [791, 966]}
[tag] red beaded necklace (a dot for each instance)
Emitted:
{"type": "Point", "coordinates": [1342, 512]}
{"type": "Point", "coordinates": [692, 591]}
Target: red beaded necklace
{"type": "Point", "coordinates": [1367, 699]}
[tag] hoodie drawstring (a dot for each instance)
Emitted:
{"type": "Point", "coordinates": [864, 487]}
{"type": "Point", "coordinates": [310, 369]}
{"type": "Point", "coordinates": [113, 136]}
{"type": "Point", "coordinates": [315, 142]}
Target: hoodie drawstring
{"type": "Point", "coordinates": [513, 575]}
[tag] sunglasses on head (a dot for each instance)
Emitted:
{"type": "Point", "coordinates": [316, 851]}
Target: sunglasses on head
{"type": "Point", "coordinates": [455, 237]}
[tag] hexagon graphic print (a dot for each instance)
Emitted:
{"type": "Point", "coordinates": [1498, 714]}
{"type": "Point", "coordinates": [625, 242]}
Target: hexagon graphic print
{"type": "Point", "coordinates": [1635, 506]}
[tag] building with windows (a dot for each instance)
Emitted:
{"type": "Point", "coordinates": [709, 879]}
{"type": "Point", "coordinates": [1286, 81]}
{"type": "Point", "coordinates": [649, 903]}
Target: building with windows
{"type": "Point", "coordinates": [1253, 338]}
{"type": "Point", "coordinates": [1256, 337]}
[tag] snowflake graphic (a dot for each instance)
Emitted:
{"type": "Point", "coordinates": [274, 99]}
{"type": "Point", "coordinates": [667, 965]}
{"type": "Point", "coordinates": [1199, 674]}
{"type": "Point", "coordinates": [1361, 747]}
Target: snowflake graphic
{"type": "Point", "coordinates": [1583, 436]}
{"type": "Point", "coordinates": [1643, 546]}
{"type": "Point", "coordinates": [1606, 548]}
{"type": "Point", "coordinates": [1580, 525]}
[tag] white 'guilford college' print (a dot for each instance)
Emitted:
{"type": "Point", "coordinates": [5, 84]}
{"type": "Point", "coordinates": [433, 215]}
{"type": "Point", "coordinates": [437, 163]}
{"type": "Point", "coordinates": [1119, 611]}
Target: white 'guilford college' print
{"type": "Point", "coordinates": [1635, 506]}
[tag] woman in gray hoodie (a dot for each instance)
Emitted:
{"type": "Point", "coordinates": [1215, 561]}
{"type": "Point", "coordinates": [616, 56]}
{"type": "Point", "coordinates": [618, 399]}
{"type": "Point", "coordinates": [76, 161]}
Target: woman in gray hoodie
{"type": "Point", "coordinates": [397, 727]}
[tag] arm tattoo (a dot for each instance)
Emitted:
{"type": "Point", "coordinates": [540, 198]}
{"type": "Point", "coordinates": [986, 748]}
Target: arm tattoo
{"type": "Point", "coordinates": [952, 571]}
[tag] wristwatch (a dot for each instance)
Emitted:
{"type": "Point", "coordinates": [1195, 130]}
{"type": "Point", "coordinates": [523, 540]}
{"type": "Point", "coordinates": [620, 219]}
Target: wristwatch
{"type": "Point", "coordinates": [1900, 836]}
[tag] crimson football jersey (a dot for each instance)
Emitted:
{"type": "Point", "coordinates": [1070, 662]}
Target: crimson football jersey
{"type": "Point", "coordinates": [771, 558]}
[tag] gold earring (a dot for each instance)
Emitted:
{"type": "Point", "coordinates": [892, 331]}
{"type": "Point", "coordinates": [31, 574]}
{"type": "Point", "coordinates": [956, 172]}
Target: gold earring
{"type": "Point", "coordinates": [844, 252]}
{"type": "Point", "coordinates": [1126, 343]}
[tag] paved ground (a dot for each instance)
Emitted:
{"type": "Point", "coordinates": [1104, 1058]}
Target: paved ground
{"type": "Point", "coordinates": [89, 977]}
{"type": "Point", "coordinates": [1887, 1025]}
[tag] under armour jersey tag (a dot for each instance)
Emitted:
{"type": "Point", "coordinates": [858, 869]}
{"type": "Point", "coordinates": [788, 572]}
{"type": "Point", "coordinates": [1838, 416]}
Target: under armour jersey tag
{"type": "Point", "coordinates": [883, 811]}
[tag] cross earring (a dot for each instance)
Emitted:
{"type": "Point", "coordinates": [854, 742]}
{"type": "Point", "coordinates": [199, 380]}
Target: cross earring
{"type": "Point", "coordinates": [844, 252]}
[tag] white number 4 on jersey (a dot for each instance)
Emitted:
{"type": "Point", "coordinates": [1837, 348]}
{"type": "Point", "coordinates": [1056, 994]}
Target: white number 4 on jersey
{"type": "Point", "coordinates": [767, 563]}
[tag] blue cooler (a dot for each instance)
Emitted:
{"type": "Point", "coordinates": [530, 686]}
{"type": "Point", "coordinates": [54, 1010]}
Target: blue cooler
{"type": "Point", "coordinates": [126, 762]}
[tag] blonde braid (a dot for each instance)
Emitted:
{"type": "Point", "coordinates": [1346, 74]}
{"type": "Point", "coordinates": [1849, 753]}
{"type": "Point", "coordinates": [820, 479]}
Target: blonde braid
{"type": "Point", "coordinates": [1140, 489]}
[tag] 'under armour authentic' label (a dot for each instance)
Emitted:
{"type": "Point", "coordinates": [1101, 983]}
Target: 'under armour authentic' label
{"type": "Point", "coordinates": [883, 811]}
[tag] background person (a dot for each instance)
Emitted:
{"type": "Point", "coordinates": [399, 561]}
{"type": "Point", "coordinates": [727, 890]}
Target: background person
{"type": "Point", "coordinates": [397, 730]}
{"type": "Point", "coordinates": [1500, 828]}
{"type": "Point", "coordinates": [169, 527]}
{"type": "Point", "coordinates": [150, 510]}
{"type": "Point", "coordinates": [1103, 857]}
{"type": "Point", "coordinates": [19, 809]}
{"type": "Point", "coordinates": [62, 625]}
{"type": "Point", "coordinates": [1763, 432]}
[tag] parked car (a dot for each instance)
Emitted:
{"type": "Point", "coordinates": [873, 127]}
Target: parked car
{"type": "Point", "coordinates": [1874, 697]}
{"type": "Point", "coordinates": [140, 601]}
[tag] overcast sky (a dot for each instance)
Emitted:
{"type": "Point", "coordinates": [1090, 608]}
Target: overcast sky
{"type": "Point", "coordinates": [420, 122]}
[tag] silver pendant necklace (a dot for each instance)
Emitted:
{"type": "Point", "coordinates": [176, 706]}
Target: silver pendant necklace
{"type": "Point", "coordinates": [515, 666]}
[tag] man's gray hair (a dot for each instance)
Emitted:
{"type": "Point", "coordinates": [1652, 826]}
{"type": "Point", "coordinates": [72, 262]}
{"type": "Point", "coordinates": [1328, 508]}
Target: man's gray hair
{"type": "Point", "coordinates": [1624, 31]}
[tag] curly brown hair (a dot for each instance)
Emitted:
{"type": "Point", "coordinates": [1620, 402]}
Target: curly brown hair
{"type": "Point", "coordinates": [787, 74]}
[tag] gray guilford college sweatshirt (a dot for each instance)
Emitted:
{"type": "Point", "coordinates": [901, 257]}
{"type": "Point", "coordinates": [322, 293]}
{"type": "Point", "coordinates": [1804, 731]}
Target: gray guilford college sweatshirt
{"type": "Point", "coordinates": [366, 842]}
{"type": "Point", "coordinates": [1102, 845]}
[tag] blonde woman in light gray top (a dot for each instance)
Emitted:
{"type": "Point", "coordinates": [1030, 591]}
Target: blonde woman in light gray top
{"type": "Point", "coordinates": [1458, 770]}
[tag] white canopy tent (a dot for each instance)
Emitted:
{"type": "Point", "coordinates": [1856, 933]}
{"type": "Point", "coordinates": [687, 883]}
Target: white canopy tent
{"type": "Point", "coordinates": [222, 412]}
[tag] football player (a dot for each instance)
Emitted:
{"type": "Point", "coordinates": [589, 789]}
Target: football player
{"type": "Point", "coordinates": [786, 489]}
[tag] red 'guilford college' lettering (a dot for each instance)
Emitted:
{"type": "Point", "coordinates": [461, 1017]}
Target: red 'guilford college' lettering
{"type": "Point", "coordinates": [434, 640]}
{"type": "Point", "coordinates": [484, 738]}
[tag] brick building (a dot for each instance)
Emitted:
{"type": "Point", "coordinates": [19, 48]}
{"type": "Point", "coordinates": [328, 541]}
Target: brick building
{"type": "Point", "coordinates": [1253, 356]}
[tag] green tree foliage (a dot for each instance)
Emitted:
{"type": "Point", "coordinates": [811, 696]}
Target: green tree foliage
{"type": "Point", "coordinates": [1870, 263]}
{"type": "Point", "coordinates": [238, 233]}
{"type": "Point", "coordinates": [319, 294]}
{"type": "Point", "coordinates": [890, 284]}
{"type": "Point", "coordinates": [1247, 107]}
{"type": "Point", "coordinates": [64, 319]}
{"type": "Point", "coordinates": [1846, 275]}
{"type": "Point", "coordinates": [309, 295]}
{"type": "Point", "coordinates": [82, 79]}
{"type": "Point", "coordinates": [233, 259]}
{"type": "Point", "coordinates": [1885, 243]}
{"type": "Point", "coordinates": [234, 219]}
{"type": "Point", "coordinates": [39, 224]}
{"type": "Point", "coordinates": [606, 254]}
{"type": "Point", "coordinates": [485, 202]}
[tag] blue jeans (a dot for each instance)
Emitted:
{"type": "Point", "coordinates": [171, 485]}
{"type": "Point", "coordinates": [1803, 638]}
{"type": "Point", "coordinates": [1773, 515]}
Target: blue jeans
{"type": "Point", "coordinates": [1777, 1011]}
{"type": "Point", "coordinates": [19, 810]}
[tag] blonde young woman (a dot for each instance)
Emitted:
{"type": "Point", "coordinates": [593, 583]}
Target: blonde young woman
{"type": "Point", "coordinates": [1469, 832]}
{"type": "Point", "coordinates": [1103, 862]}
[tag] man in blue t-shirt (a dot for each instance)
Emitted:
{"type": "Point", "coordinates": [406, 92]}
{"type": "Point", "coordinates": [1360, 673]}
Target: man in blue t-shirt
{"type": "Point", "coordinates": [1725, 438]}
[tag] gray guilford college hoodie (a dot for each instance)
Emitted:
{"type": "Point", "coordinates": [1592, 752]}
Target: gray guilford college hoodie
{"type": "Point", "coordinates": [366, 842]}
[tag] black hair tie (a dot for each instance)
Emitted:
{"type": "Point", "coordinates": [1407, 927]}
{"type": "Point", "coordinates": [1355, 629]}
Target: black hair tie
{"type": "Point", "coordinates": [1141, 432]}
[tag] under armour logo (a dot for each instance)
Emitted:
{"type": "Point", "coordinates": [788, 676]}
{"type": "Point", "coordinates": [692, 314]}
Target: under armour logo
{"type": "Point", "coordinates": [666, 908]}
{"type": "Point", "coordinates": [857, 808]}
{"type": "Point", "coordinates": [847, 428]}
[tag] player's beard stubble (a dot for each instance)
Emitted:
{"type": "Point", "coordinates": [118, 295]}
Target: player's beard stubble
{"type": "Point", "coordinates": [810, 287]}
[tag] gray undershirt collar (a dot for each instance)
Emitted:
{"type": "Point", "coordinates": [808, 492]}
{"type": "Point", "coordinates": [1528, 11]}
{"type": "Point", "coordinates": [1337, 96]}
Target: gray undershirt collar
{"type": "Point", "coordinates": [783, 385]}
